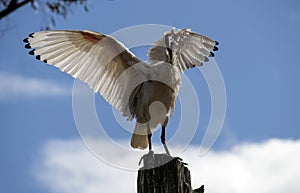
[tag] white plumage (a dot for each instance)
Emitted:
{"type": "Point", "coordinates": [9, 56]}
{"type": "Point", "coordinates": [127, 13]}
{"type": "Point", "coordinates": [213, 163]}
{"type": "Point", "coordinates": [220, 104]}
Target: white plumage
{"type": "Point", "coordinates": [139, 90]}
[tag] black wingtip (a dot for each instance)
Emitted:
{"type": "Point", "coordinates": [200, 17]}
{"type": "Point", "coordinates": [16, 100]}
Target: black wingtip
{"type": "Point", "coordinates": [38, 57]}
{"type": "Point", "coordinates": [215, 48]}
{"type": "Point", "coordinates": [31, 52]}
{"type": "Point", "coordinates": [212, 54]}
{"type": "Point", "coordinates": [216, 43]}
{"type": "Point", "coordinates": [27, 46]}
{"type": "Point", "coordinates": [45, 61]}
{"type": "Point", "coordinates": [31, 35]}
{"type": "Point", "coordinates": [26, 40]}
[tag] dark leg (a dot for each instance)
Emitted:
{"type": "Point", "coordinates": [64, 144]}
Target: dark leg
{"type": "Point", "coordinates": [149, 133]}
{"type": "Point", "coordinates": [163, 139]}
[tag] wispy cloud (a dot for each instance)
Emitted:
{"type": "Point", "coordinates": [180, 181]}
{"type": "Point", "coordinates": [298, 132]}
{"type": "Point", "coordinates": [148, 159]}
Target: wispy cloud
{"type": "Point", "coordinates": [268, 167]}
{"type": "Point", "coordinates": [14, 87]}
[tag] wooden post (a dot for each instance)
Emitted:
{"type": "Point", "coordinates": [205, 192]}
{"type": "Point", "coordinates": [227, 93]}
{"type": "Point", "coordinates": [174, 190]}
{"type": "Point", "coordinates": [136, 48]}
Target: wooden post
{"type": "Point", "coordinates": [164, 174]}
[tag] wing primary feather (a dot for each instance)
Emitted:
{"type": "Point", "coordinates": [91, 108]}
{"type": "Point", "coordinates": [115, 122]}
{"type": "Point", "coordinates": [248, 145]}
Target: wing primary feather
{"type": "Point", "coordinates": [26, 40]}
{"type": "Point", "coordinates": [67, 55]}
{"type": "Point", "coordinates": [31, 52]}
{"type": "Point", "coordinates": [28, 46]}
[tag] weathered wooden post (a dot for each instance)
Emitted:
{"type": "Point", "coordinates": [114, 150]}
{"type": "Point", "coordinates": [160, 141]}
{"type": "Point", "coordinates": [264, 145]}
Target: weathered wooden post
{"type": "Point", "coordinates": [164, 174]}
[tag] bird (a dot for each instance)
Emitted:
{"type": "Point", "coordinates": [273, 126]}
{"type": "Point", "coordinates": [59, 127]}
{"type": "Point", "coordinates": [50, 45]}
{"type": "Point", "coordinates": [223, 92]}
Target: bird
{"type": "Point", "coordinates": [145, 91]}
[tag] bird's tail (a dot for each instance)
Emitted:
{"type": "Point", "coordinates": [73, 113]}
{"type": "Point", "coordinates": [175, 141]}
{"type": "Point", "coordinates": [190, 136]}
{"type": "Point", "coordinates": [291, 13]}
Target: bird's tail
{"type": "Point", "coordinates": [139, 138]}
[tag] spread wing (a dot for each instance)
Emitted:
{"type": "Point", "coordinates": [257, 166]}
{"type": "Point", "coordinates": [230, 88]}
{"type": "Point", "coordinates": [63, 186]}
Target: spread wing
{"type": "Point", "coordinates": [99, 60]}
{"type": "Point", "coordinates": [183, 48]}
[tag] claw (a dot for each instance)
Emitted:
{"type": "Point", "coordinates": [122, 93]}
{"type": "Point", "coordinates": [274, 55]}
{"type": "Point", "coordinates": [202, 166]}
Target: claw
{"type": "Point", "coordinates": [146, 156]}
{"type": "Point", "coordinates": [180, 160]}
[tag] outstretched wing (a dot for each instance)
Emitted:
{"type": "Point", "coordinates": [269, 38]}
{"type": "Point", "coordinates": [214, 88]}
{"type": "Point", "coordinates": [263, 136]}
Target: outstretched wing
{"type": "Point", "coordinates": [183, 48]}
{"type": "Point", "coordinates": [99, 60]}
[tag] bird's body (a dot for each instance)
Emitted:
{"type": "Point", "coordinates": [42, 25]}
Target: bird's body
{"type": "Point", "coordinates": [139, 90]}
{"type": "Point", "coordinates": [152, 100]}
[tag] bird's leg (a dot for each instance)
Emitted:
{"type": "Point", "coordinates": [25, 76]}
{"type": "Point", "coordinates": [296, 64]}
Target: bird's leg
{"type": "Point", "coordinates": [149, 135]}
{"type": "Point", "coordinates": [163, 139]}
{"type": "Point", "coordinates": [163, 135]}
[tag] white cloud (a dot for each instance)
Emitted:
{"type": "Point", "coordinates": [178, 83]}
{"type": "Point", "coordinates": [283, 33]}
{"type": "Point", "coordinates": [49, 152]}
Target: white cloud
{"type": "Point", "coordinates": [68, 167]}
{"type": "Point", "coordinates": [13, 86]}
{"type": "Point", "coordinates": [268, 167]}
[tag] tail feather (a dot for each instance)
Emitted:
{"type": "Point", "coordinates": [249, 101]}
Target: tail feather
{"type": "Point", "coordinates": [139, 138]}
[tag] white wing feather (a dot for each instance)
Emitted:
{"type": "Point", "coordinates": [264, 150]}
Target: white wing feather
{"type": "Point", "coordinates": [98, 60]}
{"type": "Point", "coordinates": [188, 49]}
{"type": "Point", "coordinates": [108, 67]}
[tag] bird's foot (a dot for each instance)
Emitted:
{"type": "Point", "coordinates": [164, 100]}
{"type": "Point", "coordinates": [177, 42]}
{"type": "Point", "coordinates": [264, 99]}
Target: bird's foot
{"type": "Point", "coordinates": [180, 160]}
{"type": "Point", "coordinates": [147, 157]}
{"type": "Point", "coordinates": [176, 158]}
{"type": "Point", "coordinates": [166, 149]}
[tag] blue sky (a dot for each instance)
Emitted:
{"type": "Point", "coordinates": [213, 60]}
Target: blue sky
{"type": "Point", "coordinates": [258, 56]}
